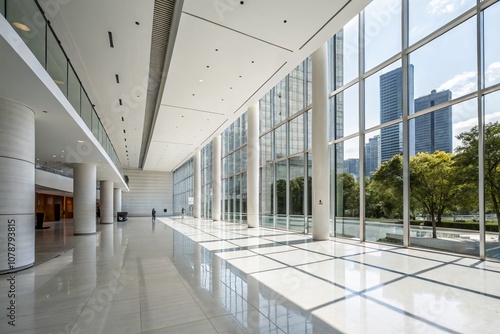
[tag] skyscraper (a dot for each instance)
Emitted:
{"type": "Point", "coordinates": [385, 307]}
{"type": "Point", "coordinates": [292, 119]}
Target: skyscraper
{"type": "Point", "coordinates": [372, 155]}
{"type": "Point", "coordinates": [351, 166]}
{"type": "Point", "coordinates": [433, 131]}
{"type": "Point", "coordinates": [391, 108]}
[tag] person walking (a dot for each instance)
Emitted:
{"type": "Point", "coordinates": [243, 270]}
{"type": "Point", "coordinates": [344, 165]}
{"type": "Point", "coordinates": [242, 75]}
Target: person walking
{"type": "Point", "coordinates": [153, 213]}
{"type": "Point", "coordinates": [183, 211]}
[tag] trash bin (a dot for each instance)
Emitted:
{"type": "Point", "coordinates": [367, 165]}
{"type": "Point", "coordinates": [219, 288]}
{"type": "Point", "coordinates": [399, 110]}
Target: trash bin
{"type": "Point", "coordinates": [39, 220]}
{"type": "Point", "coordinates": [121, 216]}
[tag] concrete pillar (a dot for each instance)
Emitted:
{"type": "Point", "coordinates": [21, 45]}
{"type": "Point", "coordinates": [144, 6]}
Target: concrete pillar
{"type": "Point", "coordinates": [197, 185]}
{"type": "Point", "coordinates": [253, 166]}
{"type": "Point", "coordinates": [117, 201]}
{"type": "Point", "coordinates": [17, 186]}
{"type": "Point", "coordinates": [84, 198]}
{"type": "Point", "coordinates": [216, 179]}
{"type": "Point", "coordinates": [320, 167]}
{"type": "Point", "coordinates": [106, 202]}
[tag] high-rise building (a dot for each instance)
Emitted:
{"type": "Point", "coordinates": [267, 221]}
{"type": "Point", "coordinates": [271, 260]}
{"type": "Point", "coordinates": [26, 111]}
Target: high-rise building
{"type": "Point", "coordinates": [433, 131]}
{"type": "Point", "coordinates": [391, 108]}
{"type": "Point", "coordinates": [372, 155]}
{"type": "Point", "coordinates": [351, 166]}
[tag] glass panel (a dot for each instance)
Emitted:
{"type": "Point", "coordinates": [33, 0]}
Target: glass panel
{"type": "Point", "coordinates": [309, 129]}
{"type": "Point", "coordinates": [309, 185]}
{"type": "Point", "coordinates": [265, 113]}
{"type": "Point", "coordinates": [237, 195]}
{"type": "Point", "coordinates": [281, 186]}
{"type": "Point", "coordinates": [347, 111]}
{"type": "Point", "coordinates": [391, 94]}
{"type": "Point", "coordinates": [491, 46]}
{"type": "Point", "coordinates": [244, 194]}
{"type": "Point", "coordinates": [267, 221]}
{"type": "Point", "coordinates": [427, 16]}
{"type": "Point", "coordinates": [86, 113]}
{"type": "Point", "coordinates": [281, 222]}
{"type": "Point", "coordinates": [346, 53]}
{"type": "Point", "coordinates": [382, 27]}
{"type": "Point", "coordinates": [296, 89]}
{"type": "Point", "coordinates": [296, 185]}
{"type": "Point", "coordinates": [95, 124]}
{"type": "Point", "coordinates": [492, 171]}
{"type": "Point", "coordinates": [74, 90]}
{"type": "Point", "coordinates": [244, 156]}
{"type": "Point", "coordinates": [230, 138]}
{"type": "Point", "coordinates": [383, 193]}
{"type": "Point", "coordinates": [280, 98]}
{"type": "Point", "coordinates": [267, 186]}
{"type": "Point", "coordinates": [266, 148]}
{"type": "Point", "coordinates": [309, 81]}
{"type": "Point", "coordinates": [347, 194]}
{"type": "Point", "coordinates": [237, 134]}
{"type": "Point", "coordinates": [244, 128]}
{"type": "Point", "coordinates": [379, 91]}
{"type": "Point", "coordinates": [57, 66]}
{"type": "Point", "coordinates": [237, 162]}
{"type": "Point", "coordinates": [296, 223]}
{"type": "Point", "coordinates": [296, 135]}
{"type": "Point", "coordinates": [280, 141]}
{"type": "Point", "coordinates": [435, 71]}
{"type": "Point", "coordinates": [443, 185]}
{"type": "Point", "coordinates": [30, 24]}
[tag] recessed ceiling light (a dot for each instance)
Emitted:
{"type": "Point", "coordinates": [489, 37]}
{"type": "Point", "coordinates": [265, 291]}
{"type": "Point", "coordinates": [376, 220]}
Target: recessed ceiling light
{"type": "Point", "coordinates": [45, 111]}
{"type": "Point", "coordinates": [253, 62]}
{"type": "Point", "coordinates": [54, 156]}
{"type": "Point", "coordinates": [137, 23]}
{"type": "Point", "coordinates": [21, 26]}
{"type": "Point", "coordinates": [208, 66]}
{"type": "Point", "coordinates": [80, 141]}
{"type": "Point", "coordinates": [59, 82]}
{"type": "Point", "coordinates": [62, 151]}
{"type": "Point", "coordinates": [193, 94]}
{"type": "Point", "coordinates": [284, 21]}
{"type": "Point", "coordinates": [216, 49]}
{"type": "Point", "coordinates": [201, 80]}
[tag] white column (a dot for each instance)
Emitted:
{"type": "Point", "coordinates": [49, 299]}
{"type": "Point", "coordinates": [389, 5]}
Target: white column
{"type": "Point", "coordinates": [320, 167]}
{"type": "Point", "coordinates": [216, 179]}
{"type": "Point", "coordinates": [106, 203]}
{"type": "Point", "coordinates": [117, 201]}
{"type": "Point", "coordinates": [253, 166]}
{"type": "Point", "coordinates": [197, 185]}
{"type": "Point", "coordinates": [17, 186]}
{"type": "Point", "coordinates": [84, 198]}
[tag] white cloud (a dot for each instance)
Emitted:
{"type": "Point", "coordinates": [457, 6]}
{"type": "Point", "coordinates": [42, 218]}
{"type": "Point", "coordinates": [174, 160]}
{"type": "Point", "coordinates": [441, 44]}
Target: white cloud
{"type": "Point", "coordinates": [460, 84]}
{"type": "Point", "coordinates": [493, 73]}
{"type": "Point", "coordinates": [444, 6]}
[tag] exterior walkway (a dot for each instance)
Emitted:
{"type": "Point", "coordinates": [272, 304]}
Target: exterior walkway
{"type": "Point", "coordinates": [188, 276]}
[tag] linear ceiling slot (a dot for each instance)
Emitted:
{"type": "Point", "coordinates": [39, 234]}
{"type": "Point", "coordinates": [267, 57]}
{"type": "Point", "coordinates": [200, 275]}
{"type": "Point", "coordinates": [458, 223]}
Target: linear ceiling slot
{"type": "Point", "coordinates": [120, 101]}
{"type": "Point", "coordinates": [110, 36]}
{"type": "Point", "coordinates": [117, 77]}
{"type": "Point", "coordinates": [124, 131]}
{"type": "Point", "coordinates": [123, 119]}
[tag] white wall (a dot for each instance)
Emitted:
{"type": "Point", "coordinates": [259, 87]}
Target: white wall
{"type": "Point", "coordinates": [53, 181]}
{"type": "Point", "coordinates": [148, 190]}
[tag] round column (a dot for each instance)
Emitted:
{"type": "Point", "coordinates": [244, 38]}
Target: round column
{"type": "Point", "coordinates": [320, 167]}
{"type": "Point", "coordinates": [17, 186]}
{"type": "Point", "coordinates": [216, 179]}
{"type": "Point", "coordinates": [106, 202]}
{"type": "Point", "coordinates": [84, 198]}
{"type": "Point", "coordinates": [253, 166]}
{"type": "Point", "coordinates": [117, 201]}
{"type": "Point", "coordinates": [197, 185]}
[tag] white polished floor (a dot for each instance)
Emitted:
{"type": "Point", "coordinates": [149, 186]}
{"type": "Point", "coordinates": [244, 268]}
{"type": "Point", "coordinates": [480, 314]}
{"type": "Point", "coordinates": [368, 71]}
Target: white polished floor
{"type": "Point", "coordinates": [197, 276]}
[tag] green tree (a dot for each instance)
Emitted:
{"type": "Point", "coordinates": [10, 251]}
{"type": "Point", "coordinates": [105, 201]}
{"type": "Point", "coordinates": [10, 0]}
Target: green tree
{"type": "Point", "coordinates": [433, 183]}
{"type": "Point", "coordinates": [386, 187]}
{"type": "Point", "coordinates": [350, 195]}
{"type": "Point", "coordinates": [467, 158]}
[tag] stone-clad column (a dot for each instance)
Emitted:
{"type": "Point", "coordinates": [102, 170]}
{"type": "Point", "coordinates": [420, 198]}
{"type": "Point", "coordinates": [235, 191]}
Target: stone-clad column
{"type": "Point", "coordinates": [84, 198]}
{"type": "Point", "coordinates": [106, 202]}
{"type": "Point", "coordinates": [17, 186]}
{"type": "Point", "coordinates": [321, 167]}
{"type": "Point", "coordinates": [253, 166]}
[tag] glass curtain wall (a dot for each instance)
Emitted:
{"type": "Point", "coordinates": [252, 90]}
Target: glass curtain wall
{"type": "Point", "coordinates": [184, 188]}
{"type": "Point", "coordinates": [234, 166]}
{"type": "Point", "coordinates": [425, 103]}
{"type": "Point", "coordinates": [284, 147]}
{"type": "Point", "coordinates": [206, 181]}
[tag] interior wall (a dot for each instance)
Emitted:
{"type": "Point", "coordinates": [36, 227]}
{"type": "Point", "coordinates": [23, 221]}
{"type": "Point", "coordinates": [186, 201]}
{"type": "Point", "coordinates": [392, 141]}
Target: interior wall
{"type": "Point", "coordinates": [148, 190]}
